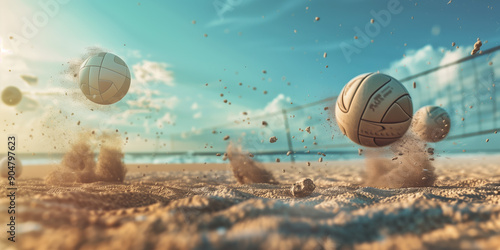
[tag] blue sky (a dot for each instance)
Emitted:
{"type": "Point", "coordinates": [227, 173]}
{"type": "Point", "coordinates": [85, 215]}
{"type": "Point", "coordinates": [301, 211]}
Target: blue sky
{"type": "Point", "coordinates": [172, 61]}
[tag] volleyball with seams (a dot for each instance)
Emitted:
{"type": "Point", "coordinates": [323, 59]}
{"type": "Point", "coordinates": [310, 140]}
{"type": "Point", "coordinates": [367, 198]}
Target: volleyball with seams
{"type": "Point", "coordinates": [374, 110]}
{"type": "Point", "coordinates": [104, 78]}
{"type": "Point", "coordinates": [431, 123]}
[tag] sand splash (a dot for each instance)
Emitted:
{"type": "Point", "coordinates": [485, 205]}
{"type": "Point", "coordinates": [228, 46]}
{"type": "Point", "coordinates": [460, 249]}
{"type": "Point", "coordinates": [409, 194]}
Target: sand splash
{"type": "Point", "coordinates": [245, 169]}
{"type": "Point", "coordinates": [73, 68]}
{"type": "Point", "coordinates": [410, 165]}
{"type": "Point", "coordinates": [79, 165]}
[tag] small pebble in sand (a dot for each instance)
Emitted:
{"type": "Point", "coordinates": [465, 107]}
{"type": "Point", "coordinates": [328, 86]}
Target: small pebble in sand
{"type": "Point", "coordinates": [316, 19]}
{"type": "Point", "coordinates": [495, 132]}
{"type": "Point", "coordinates": [225, 100]}
{"type": "Point", "coordinates": [273, 139]}
{"type": "Point", "coordinates": [324, 55]}
{"type": "Point", "coordinates": [205, 35]}
{"type": "Point", "coordinates": [372, 20]}
{"type": "Point", "coordinates": [226, 137]}
{"type": "Point", "coordinates": [308, 164]}
{"type": "Point", "coordinates": [453, 44]}
{"type": "Point", "coordinates": [394, 158]}
{"type": "Point", "coordinates": [325, 108]}
{"type": "Point", "coordinates": [414, 85]}
{"type": "Point", "coordinates": [490, 63]}
{"type": "Point", "coordinates": [355, 37]}
{"type": "Point", "coordinates": [431, 159]}
{"type": "Point", "coordinates": [303, 188]}
{"type": "Point", "coordinates": [278, 160]}
{"type": "Point", "coordinates": [218, 154]}
{"type": "Point", "coordinates": [320, 159]}
{"type": "Point", "coordinates": [251, 155]}
{"type": "Point", "coordinates": [288, 153]}
{"type": "Point", "coordinates": [264, 71]}
{"type": "Point", "coordinates": [264, 123]}
{"type": "Point", "coordinates": [245, 113]}
{"type": "Point", "coordinates": [487, 140]}
{"type": "Point", "coordinates": [360, 151]}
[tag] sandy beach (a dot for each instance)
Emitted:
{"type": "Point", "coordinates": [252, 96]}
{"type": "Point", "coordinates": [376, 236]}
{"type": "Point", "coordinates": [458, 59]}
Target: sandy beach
{"type": "Point", "coordinates": [201, 206]}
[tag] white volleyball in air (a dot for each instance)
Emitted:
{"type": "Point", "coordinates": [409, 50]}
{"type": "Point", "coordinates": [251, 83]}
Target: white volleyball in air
{"type": "Point", "coordinates": [431, 123]}
{"type": "Point", "coordinates": [374, 110]}
{"type": "Point", "coordinates": [4, 167]}
{"type": "Point", "coordinates": [104, 78]}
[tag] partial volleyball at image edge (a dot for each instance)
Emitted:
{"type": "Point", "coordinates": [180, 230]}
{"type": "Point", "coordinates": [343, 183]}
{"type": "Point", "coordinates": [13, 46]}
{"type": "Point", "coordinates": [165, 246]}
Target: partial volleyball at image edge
{"type": "Point", "coordinates": [374, 110]}
{"type": "Point", "coordinates": [104, 78]}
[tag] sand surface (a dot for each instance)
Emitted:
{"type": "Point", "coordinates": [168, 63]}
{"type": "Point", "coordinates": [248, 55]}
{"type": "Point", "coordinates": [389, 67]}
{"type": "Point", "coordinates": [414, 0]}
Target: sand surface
{"type": "Point", "coordinates": [201, 206]}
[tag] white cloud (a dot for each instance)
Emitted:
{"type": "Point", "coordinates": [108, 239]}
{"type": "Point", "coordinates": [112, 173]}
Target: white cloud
{"type": "Point", "coordinates": [153, 72]}
{"type": "Point", "coordinates": [232, 15]}
{"type": "Point", "coordinates": [436, 30]}
{"type": "Point", "coordinates": [134, 53]}
{"type": "Point", "coordinates": [279, 103]}
{"type": "Point", "coordinates": [142, 90]}
{"type": "Point", "coordinates": [168, 118]}
{"type": "Point", "coordinates": [197, 115]}
{"type": "Point", "coordinates": [415, 61]}
{"type": "Point", "coordinates": [154, 103]}
{"type": "Point", "coordinates": [194, 106]}
{"type": "Point", "coordinates": [428, 57]}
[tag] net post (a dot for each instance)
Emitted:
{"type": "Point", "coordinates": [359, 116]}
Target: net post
{"type": "Point", "coordinates": [288, 136]}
